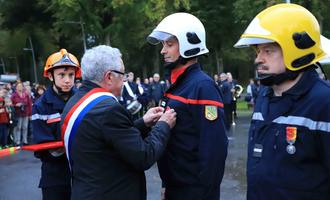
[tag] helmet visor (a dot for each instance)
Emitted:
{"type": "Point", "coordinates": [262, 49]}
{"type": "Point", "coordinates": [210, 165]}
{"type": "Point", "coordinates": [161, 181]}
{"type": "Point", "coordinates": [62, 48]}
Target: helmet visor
{"type": "Point", "coordinates": [325, 42]}
{"type": "Point", "coordinates": [246, 42]}
{"type": "Point", "coordinates": [66, 60]}
{"type": "Point", "coordinates": [157, 36]}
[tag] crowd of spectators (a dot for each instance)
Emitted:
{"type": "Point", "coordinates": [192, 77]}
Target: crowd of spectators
{"type": "Point", "coordinates": [16, 101]}
{"type": "Point", "coordinates": [148, 93]}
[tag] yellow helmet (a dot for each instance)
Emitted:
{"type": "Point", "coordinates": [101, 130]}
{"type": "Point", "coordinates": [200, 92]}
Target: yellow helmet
{"type": "Point", "coordinates": [60, 59]}
{"type": "Point", "coordinates": [293, 27]}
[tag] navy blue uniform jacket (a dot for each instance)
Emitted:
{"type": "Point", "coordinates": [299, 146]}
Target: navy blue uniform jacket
{"type": "Point", "coordinates": [196, 152]}
{"type": "Point", "coordinates": [127, 99]}
{"type": "Point", "coordinates": [156, 91]}
{"type": "Point", "coordinates": [276, 174]}
{"type": "Point", "coordinates": [46, 117]}
{"type": "Point", "coordinates": [108, 152]}
{"type": "Point", "coordinates": [225, 88]}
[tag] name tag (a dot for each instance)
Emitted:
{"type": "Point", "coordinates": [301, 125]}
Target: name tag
{"type": "Point", "coordinates": [257, 150]}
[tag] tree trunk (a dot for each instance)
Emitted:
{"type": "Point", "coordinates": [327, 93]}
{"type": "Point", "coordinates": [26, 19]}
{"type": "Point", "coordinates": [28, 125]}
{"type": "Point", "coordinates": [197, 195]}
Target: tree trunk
{"type": "Point", "coordinates": [107, 39]}
{"type": "Point", "coordinates": [219, 62]}
{"type": "Point", "coordinates": [144, 73]}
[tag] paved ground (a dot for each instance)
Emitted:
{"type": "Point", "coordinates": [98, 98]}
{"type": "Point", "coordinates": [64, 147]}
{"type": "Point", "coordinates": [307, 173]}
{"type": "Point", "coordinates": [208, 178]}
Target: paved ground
{"type": "Point", "coordinates": [19, 173]}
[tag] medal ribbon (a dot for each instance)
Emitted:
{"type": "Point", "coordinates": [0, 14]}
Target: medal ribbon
{"type": "Point", "coordinates": [291, 134]}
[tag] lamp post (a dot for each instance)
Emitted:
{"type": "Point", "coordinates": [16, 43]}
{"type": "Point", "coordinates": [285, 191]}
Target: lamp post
{"type": "Point", "coordinates": [3, 66]}
{"type": "Point", "coordinates": [34, 60]}
{"type": "Point", "coordinates": [81, 23]}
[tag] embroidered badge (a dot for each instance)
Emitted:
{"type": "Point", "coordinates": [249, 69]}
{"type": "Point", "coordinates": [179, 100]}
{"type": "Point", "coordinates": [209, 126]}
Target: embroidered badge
{"type": "Point", "coordinates": [211, 113]}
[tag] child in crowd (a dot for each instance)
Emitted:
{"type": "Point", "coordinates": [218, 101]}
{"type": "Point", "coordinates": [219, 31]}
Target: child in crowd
{"type": "Point", "coordinates": [4, 121]}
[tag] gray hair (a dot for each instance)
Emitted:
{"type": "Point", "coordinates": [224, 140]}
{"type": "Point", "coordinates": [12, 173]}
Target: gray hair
{"type": "Point", "coordinates": [156, 75]}
{"type": "Point", "coordinates": [99, 60]}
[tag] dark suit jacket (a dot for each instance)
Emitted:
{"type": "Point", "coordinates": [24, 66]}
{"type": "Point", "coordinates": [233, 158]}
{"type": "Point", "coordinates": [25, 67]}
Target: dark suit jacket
{"type": "Point", "coordinates": [109, 153]}
{"type": "Point", "coordinates": [127, 99]}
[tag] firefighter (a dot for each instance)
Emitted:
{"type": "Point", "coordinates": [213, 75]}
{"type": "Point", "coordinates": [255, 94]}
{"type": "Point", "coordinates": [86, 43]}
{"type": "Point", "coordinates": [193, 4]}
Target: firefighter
{"type": "Point", "coordinates": [289, 137]}
{"type": "Point", "coordinates": [61, 69]}
{"type": "Point", "coordinates": [192, 166]}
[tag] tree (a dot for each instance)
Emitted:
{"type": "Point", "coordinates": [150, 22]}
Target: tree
{"type": "Point", "coordinates": [126, 24]}
{"type": "Point", "coordinates": [18, 22]}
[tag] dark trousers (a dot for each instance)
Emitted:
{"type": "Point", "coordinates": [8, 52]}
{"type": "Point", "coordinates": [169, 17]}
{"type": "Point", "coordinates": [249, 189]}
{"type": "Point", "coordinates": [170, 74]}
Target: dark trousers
{"type": "Point", "coordinates": [234, 108]}
{"type": "Point", "coordinates": [56, 193]}
{"type": "Point", "coordinates": [3, 134]}
{"type": "Point", "coordinates": [228, 116]}
{"type": "Point", "coordinates": [192, 193]}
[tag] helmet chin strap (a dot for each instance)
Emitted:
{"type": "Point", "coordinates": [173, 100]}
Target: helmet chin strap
{"type": "Point", "coordinates": [171, 65]}
{"type": "Point", "coordinates": [276, 79]}
{"type": "Point", "coordinates": [63, 95]}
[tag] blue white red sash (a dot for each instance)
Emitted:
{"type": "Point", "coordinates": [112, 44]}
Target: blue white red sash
{"type": "Point", "coordinates": [77, 113]}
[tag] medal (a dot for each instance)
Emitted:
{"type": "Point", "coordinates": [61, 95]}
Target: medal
{"type": "Point", "coordinates": [291, 136]}
{"type": "Point", "coordinates": [291, 149]}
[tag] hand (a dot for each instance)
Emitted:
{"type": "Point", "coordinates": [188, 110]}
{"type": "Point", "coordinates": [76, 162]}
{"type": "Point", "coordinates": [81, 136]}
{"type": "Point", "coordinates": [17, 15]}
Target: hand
{"type": "Point", "coordinates": [169, 117]}
{"type": "Point", "coordinates": [57, 152]}
{"type": "Point", "coordinates": [152, 116]}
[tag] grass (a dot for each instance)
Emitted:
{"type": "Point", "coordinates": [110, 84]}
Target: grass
{"type": "Point", "coordinates": [242, 107]}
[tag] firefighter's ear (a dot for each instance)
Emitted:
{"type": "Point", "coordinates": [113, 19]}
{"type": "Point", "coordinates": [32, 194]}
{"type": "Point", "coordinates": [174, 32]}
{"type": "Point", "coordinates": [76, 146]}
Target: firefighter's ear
{"type": "Point", "coordinates": [50, 76]}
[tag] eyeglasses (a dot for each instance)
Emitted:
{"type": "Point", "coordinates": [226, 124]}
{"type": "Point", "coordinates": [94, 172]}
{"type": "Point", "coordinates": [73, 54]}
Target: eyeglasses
{"type": "Point", "coordinates": [121, 73]}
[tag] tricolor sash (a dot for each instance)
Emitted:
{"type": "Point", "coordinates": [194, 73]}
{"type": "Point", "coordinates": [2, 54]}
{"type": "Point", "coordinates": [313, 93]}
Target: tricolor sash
{"type": "Point", "coordinates": [77, 113]}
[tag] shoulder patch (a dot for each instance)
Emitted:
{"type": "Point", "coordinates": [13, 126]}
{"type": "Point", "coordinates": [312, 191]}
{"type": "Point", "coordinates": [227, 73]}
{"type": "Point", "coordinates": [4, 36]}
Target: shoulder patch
{"type": "Point", "coordinates": [211, 113]}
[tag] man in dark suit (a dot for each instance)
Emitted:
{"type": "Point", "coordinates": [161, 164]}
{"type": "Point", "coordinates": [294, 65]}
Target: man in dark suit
{"type": "Point", "coordinates": [130, 93]}
{"type": "Point", "coordinates": [107, 151]}
{"type": "Point", "coordinates": [227, 96]}
{"type": "Point", "coordinates": [156, 89]}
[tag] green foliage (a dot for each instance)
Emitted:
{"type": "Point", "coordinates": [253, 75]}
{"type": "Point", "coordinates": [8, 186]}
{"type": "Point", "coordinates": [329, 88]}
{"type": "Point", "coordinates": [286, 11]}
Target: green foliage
{"type": "Point", "coordinates": [54, 24]}
{"type": "Point", "coordinates": [245, 10]}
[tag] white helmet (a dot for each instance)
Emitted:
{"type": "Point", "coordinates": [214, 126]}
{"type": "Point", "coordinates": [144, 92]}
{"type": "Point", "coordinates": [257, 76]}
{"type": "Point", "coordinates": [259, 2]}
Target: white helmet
{"type": "Point", "coordinates": [187, 28]}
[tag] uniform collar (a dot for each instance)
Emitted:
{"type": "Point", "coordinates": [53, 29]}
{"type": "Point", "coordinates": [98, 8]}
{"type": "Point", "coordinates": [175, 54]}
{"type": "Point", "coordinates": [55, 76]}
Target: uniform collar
{"type": "Point", "coordinates": [179, 73]}
{"type": "Point", "coordinates": [306, 81]}
{"type": "Point", "coordinates": [88, 85]}
{"type": "Point", "coordinates": [176, 73]}
{"type": "Point", "coordinates": [52, 97]}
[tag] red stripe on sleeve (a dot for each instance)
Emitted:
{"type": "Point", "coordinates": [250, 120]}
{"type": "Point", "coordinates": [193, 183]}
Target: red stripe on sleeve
{"type": "Point", "coordinates": [194, 101]}
{"type": "Point", "coordinates": [54, 120]}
